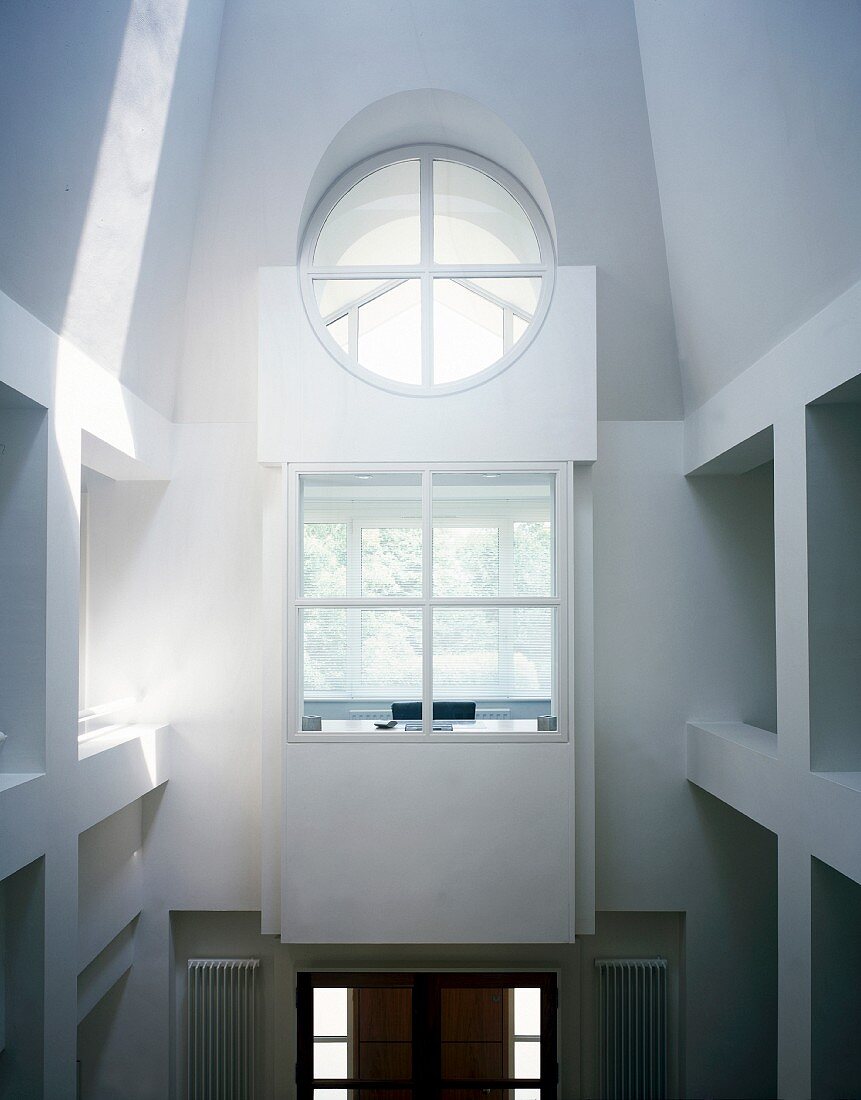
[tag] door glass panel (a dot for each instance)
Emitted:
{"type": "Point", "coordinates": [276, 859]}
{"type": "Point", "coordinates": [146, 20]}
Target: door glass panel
{"type": "Point", "coordinates": [527, 1059]}
{"type": "Point", "coordinates": [330, 1012]}
{"type": "Point", "coordinates": [330, 1059]}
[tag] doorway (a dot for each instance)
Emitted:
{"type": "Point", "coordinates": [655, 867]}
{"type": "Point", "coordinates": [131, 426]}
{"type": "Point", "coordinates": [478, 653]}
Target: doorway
{"type": "Point", "coordinates": [423, 1036]}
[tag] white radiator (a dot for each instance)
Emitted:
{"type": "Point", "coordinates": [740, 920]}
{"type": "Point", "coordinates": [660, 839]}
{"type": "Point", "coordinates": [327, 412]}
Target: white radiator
{"type": "Point", "coordinates": [221, 1028]}
{"type": "Point", "coordinates": [632, 1028]}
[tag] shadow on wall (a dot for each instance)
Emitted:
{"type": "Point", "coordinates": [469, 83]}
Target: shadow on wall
{"type": "Point", "coordinates": [738, 1023]}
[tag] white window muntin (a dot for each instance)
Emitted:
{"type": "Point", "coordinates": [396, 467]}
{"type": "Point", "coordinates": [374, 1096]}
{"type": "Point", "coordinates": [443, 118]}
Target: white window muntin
{"type": "Point", "coordinates": [295, 602]}
{"type": "Point", "coordinates": [427, 270]}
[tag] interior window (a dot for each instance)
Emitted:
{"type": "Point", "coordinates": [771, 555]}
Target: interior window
{"type": "Point", "coordinates": [476, 618]}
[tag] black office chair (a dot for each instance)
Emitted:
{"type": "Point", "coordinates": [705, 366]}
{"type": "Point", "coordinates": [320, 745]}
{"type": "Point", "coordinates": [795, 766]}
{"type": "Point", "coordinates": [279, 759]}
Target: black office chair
{"type": "Point", "coordinates": [442, 711]}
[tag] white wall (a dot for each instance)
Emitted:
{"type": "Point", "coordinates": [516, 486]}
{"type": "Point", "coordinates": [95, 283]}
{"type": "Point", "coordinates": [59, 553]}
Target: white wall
{"type": "Point", "coordinates": [175, 598]}
{"type": "Point", "coordinates": [834, 536]}
{"type": "Point", "coordinates": [667, 617]}
{"type": "Point", "coordinates": [23, 534]}
{"type": "Point", "coordinates": [105, 121]}
{"type": "Point", "coordinates": [290, 79]}
{"type": "Point", "coordinates": [753, 109]}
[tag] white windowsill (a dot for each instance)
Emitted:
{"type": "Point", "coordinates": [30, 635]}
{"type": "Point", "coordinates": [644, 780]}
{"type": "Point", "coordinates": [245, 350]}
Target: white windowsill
{"type": "Point", "coordinates": [521, 731]}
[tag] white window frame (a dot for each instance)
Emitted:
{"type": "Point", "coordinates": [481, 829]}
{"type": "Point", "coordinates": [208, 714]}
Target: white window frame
{"type": "Point", "coordinates": [296, 602]}
{"type": "Point", "coordinates": [426, 270]}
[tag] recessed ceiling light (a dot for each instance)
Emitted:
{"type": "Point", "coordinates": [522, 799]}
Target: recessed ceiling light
{"type": "Point", "coordinates": [364, 477]}
{"type": "Point", "coordinates": [490, 475]}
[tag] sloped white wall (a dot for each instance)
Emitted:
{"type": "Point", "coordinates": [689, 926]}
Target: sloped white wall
{"type": "Point", "coordinates": [106, 112]}
{"type": "Point", "coordinates": [753, 109]}
{"type": "Point", "coordinates": [566, 82]}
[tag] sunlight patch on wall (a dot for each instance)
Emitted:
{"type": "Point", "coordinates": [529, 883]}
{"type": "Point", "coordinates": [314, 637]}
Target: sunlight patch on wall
{"type": "Point", "coordinates": [110, 251]}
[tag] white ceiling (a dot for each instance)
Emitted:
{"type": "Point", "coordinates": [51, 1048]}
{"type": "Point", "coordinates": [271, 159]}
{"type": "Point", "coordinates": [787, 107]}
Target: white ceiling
{"type": "Point", "coordinates": [157, 155]}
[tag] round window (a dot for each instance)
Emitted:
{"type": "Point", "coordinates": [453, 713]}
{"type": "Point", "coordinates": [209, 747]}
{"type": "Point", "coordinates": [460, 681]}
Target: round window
{"type": "Point", "coordinates": [426, 270]}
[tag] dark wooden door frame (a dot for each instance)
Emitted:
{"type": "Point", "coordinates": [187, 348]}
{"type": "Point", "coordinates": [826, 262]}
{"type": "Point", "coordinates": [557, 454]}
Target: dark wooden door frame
{"type": "Point", "coordinates": [426, 1082]}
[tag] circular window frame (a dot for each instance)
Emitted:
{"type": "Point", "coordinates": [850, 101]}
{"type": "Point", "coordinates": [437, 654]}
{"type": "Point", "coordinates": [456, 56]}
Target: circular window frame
{"type": "Point", "coordinates": [426, 154]}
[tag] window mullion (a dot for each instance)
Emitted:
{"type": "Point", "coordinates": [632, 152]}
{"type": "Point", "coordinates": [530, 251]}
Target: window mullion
{"type": "Point", "coordinates": [506, 615]}
{"type": "Point", "coordinates": [507, 329]}
{"type": "Point", "coordinates": [354, 615]}
{"type": "Point", "coordinates": [426, 223]}
{"type": "Point", "coordinates": [427, 593]}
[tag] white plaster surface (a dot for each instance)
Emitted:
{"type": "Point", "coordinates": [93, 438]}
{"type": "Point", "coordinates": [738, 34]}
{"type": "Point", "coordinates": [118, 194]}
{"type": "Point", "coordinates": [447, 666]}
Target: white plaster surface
{"type": "Point", "coordinates": [543, 406]}
{"type": "Point", "coordinates": [426, 844]}
{"type": "Point", "coordinates": [753, 118]}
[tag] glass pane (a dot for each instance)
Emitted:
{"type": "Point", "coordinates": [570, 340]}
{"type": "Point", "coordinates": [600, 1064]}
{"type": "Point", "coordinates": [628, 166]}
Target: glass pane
{"type": "Point", "coordinates": [391, 561]}
{"type": "Point", "coordinates": [465, 561]}
{"type": "Point", "coordinates": [377, 1024]}
{"type": "Point", "coordinates": [518, 327]}
{"type": "Point", "coordinates": [324, 559]}
{"type": "Point", "coordinates": [330, 1012]}
{"type": "Point", "coordinates": [476, 221]}
{"type": "Point", "coordinates": [336, 297]}
{"type": "Point", "coordinates": [359, 659]}
{"type": "Point", "coordinates": [495, 655]}
{"type": "Point", "coordinates": [391, 654]}
{"type": "Point", "coordinates": [390, 333]}
{"type": "Point", "coordinates": [527, 1059]}
{"type": "Point", "coordinates": [527, 1011]}
{"type": "Point", "coordinates": [519, 294]}
{"type": "Point", "coordinates": [467, 331]}
{"type": "Point", "coordinates": [330, 1060]}
{"type": "Point", "coordinates": [326, 663]}
{"type": "Point", "coordinates": [361, 534]}
{"type": "Point", "coordinates": [466, 653]}
{"type": "Point", "coordinates": [493, 534]}
{"type": "Point", "coordinates": [476, 321]}
{"type": "Point", "coordinates": [533, 558]}
{"type": "Point", "coordinates": [376, 222]}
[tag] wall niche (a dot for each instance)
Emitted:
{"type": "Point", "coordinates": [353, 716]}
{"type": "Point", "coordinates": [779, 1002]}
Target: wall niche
{"type": "Point", "coordinates": [23, 558]}
{"type": "Point", "coordinates": [834, 549]}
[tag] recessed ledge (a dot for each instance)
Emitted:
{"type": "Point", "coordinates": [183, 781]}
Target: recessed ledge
{"type": "Point", "coordinates": [118, 766]}
{"type": "Point", "coordinates": [750, 737]}
{"type": "Point", "coordinates": [851, 780]}
{"type": "Point", "coordinates": [8, 780]}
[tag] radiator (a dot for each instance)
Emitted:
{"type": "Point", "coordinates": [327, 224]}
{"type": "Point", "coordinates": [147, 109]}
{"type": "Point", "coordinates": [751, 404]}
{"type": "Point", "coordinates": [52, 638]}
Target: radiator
{"type": "Point", "coordinates": [632, 1028]}
{"type": "Point", "coordinates": [221, 1028]}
